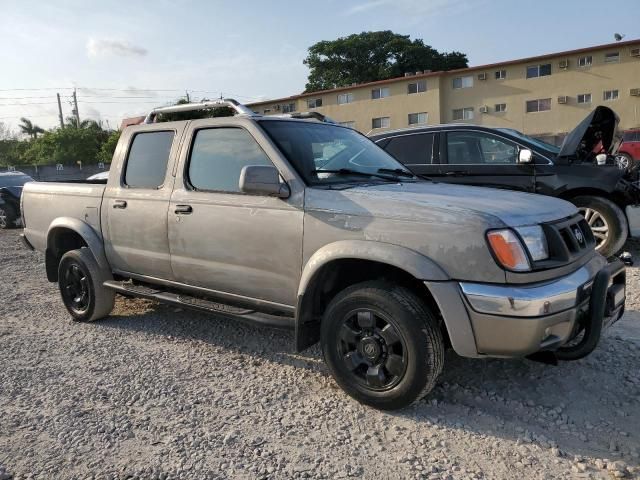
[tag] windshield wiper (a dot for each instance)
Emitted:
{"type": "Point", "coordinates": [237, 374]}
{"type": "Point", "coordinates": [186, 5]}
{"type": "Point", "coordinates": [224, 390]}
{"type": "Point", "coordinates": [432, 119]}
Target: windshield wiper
{"type": "Point", "coordinates": [348, 171]}
{"type": "Point", "coordinates": [400, 172]}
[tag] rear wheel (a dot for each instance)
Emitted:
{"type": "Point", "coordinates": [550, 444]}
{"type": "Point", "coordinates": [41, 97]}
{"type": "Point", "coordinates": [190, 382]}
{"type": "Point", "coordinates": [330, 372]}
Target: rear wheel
{"type": "Point", "coordinates": [624, 161]}
{"type": "Point", "coordinates": [8, 216]}
{"type": "Point", "coordinates": [382, 344]}
{"type": "Point", "coordinates": [607, 222]}
{"type": "Point", "coordinates": [80, 280]}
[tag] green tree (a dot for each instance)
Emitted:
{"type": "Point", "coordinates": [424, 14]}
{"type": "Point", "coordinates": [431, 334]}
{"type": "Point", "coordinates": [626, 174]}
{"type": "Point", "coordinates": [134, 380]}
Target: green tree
{"type": "Point", "coordinates": [64, 145]}
{"type": "Point", "coordinates": [371, 56]}
{"type": "Point", "coordinates": [109, 147]}
{"type": "Point", "coordinates": [29, 128]}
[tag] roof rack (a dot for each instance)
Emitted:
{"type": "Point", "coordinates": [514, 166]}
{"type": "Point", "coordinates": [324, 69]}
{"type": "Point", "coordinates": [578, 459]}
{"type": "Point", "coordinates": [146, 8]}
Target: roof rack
{"type": "Point", "coordinates": [306, 116]}
{"type": "Point", "coordinates": [191, 107]}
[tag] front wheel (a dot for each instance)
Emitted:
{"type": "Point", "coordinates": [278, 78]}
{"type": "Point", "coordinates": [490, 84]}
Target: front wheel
{"type": "Point", "coordinates": [607, 222]}
{"type": "Point", "coordinates": [80, 280]}
{"type": "Point", "coordinates": [382, 344]}
{"type": "Point", "coordinates": [8, 216]}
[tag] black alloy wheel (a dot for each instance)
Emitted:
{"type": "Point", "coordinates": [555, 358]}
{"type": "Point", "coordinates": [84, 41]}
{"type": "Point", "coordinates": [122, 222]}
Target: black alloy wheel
{"type": "Point", "coordinates": [373, 350]}
{"type": "Point", "coordinates": [75, 288]}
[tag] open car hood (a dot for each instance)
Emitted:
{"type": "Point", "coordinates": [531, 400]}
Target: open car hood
{"type": "Point", "coordinates": [600, 124]}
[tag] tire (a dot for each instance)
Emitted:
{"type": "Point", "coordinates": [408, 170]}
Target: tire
{"type": "Point", "coordinates": [607, 221]}
{"type": "Point", "coordinates": [8, 216]}
{"type": "Point", "coordinates": [624, 162]}
{"type": "Point", "coordinates": [81, 286]}
{"type": "Point", "coordinates": [382, 344]}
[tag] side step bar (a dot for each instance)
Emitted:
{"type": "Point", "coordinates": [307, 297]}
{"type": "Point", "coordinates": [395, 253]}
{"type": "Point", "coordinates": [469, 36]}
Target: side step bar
{"type": "Point", "coordinates": [185, 300]}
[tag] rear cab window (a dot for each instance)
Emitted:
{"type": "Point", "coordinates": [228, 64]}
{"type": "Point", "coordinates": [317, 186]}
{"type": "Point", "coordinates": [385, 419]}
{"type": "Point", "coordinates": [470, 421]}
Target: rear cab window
{"type": "Point", "coordinates": [147, 159]}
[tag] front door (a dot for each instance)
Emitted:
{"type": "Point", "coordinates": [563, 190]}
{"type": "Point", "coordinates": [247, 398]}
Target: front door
{"type": "Point", "coordinates": [481, 158]}
{"type": "Point", "coordinates": [135, 203]}
{"type": "Point", "coordinates": [243, 247]}
{"type": "Point", "coordinates": [414, 150]}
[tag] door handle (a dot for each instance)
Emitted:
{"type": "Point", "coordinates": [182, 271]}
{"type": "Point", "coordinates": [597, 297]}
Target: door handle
{"type": "Point", "coordinates": [183, 209]}
{"type": "Point", "coordinates": [119, 204]}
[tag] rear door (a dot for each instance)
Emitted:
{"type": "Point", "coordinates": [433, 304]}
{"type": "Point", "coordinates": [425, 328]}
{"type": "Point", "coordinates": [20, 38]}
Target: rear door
{"type": "Point", "coordinates": [476, 157]}
{"type": "Point", "coordinates": [136, 200]}
{"type": "Point", "coordinates": [415, 151]}
{"type": "Point", "coordinates": [246, 249]}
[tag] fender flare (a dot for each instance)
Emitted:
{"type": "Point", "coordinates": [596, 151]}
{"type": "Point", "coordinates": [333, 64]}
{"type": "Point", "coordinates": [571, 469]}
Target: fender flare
{"type": "Point", "coordinates": [412, 262]}
{"type": "Point", "coordinates": [307, 329]}
{"type": "Point", "coordinates": [88, 234]}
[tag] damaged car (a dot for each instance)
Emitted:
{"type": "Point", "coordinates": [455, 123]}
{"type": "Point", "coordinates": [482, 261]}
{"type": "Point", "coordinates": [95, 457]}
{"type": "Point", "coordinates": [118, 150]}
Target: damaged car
{"type": "Point", "coordinates": [11, 184]}
{"type": "Point", "coordinates": [583, 170]}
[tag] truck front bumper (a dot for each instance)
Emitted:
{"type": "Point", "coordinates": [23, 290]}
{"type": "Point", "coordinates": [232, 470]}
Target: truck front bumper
{"type": "Point", "coordinates": [510, 321]}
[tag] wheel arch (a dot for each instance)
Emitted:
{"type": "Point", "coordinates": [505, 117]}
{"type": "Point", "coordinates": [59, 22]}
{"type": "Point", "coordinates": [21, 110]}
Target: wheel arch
{"type": "Point", "coordinates": [65, 234]}
{"type": "Point", "coordinates": [615, 197]}
{"type": "Point", "coordinates": [344, 263]}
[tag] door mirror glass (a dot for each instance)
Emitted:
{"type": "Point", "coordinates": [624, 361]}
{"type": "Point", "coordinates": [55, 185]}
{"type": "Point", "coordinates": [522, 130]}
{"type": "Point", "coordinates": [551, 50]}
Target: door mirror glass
{"type": "Point", "coordinates": [262, 180]}
{"type": "Point", "coordinates": [525, 156]}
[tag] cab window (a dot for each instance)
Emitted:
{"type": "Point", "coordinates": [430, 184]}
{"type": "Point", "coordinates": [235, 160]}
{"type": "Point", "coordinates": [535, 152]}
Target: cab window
{"type": "Point", "coordinates": [469, 148]}
{"type": "Point", "coordinates": [416, 149]}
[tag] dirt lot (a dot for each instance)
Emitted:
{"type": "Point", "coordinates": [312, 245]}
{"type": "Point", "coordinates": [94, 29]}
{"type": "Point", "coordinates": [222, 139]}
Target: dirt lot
{"type": "Point", "coordinates": [154, 392]}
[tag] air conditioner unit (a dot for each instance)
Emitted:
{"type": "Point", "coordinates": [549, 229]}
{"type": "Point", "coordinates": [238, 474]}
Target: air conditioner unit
{"type": "Point", "coordinates": [563, 99]}
{"type": "Point", "coordinates": [482, 76]}
{"type": "Point", "coordinates": [484, 109]}
{"type": "Point", "coordinates": [426, 71]}
{"type": "Point", "coordinates": [635, 92]}
{"type": "Point", "coordinates": [563, 63]}
{"type": "Point", "coordinates": [354, 84]}
{"type": "Point", "coordinates": [407, 74]}
{"type": "Point", "coordinates": [635, 52]}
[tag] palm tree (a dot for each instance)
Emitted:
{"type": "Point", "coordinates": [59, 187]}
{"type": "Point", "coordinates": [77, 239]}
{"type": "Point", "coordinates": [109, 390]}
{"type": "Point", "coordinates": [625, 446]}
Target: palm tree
{"type": "Point", "coordinates": [73, 122]}
{"type": "Point", "coordinates": [28, 128]}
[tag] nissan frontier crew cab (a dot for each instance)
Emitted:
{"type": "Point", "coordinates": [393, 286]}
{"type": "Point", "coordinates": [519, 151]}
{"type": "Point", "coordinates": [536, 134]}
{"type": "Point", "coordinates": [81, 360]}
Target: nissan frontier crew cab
{"type": "Point", "coordinates": [302, 223]}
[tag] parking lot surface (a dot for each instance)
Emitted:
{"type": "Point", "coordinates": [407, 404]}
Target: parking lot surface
{"type": "Point", "coordinates": [156, 392]}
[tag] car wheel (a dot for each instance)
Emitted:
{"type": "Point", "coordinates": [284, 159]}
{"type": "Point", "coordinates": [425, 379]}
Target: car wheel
{"type": "Point", "coordinates": [624, 161]}
{"type": "Point", "coordinates": [607, 222]}
{"type": "Point", "coordinates": [80, 280]}
{"type": "Point", "coordinates": [382, 344]}
{"type": "Point", "coordinates": [7, 216]}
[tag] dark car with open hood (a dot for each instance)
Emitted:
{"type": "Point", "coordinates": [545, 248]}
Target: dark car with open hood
{"type": "Point", "coordinates": [11, 184]}
{"type": "Point", "coordinates": [583, 170]}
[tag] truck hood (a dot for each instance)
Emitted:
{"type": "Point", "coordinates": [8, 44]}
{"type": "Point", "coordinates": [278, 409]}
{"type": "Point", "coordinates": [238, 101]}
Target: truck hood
{"type": "Point", "coordinates": [444, 203]}
{"type": "Point", "coordinates": [601, 123]}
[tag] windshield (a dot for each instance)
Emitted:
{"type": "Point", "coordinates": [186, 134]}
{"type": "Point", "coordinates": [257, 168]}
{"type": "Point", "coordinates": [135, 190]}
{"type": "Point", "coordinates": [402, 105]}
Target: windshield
{"type": "Point", "coordinates": [14, 180]}
{"type": "Point", "coordinates": [324, 154]}
{"type": "Point", "coordinates": [539, 143]}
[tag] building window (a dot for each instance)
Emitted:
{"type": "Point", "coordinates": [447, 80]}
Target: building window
{"type": "Point", "coordinates": [540, 105]}
{"type": "Point", "coordinates": [609, 95]}
{"type": "Point", "coordinates": [585, 61]}
{"type": "Point", "coordinates": [501, 107]}
{"type": "Point", "coordinates": [463, 82]}
{"type": "Point", "coordinates": [288, 108]}
{"type": "Point", "coordinates": [314, 103]}
{"type": "Point", "coordinates": [584, 98]}
{"type": "Point", "coordinates": [345, 98]}
{"type": "Point", "coordinates": [380, 93]}
{"type": "Point", "coordinates": [418, 118]}
{"type": "Point", "coordinates": [417, 87]}
{"type": "Point", "coordinates": [463, 113]}
{"type": "Point", "coordinates": [381, 122]}
{"type": "Point", "coordinates": [501, 74]}
{"type": "Point", "coordinates": [542, 70]}
{"type": "Point", "coordinates": [612, 57]}
{"type": "Point", "coordinates": [350, 124]}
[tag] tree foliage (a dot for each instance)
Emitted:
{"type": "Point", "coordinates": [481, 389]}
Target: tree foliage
{"type": "Point", "coordinates": [108, 148]}
{"type": "Point", "coordinates": [371, 56]}
{"type": "Point", "coordinates": [29, 128]}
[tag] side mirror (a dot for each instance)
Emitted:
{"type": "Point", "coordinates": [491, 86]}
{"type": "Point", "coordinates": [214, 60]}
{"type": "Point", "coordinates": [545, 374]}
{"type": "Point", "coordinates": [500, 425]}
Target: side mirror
{"type": "Point", "coordinates": [262, 180]}
{"type": "Point", "coordinates": [525, 156]}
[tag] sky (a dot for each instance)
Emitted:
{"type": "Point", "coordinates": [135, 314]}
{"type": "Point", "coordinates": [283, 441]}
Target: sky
{"type": "Point", "coordinates": [126, 57]}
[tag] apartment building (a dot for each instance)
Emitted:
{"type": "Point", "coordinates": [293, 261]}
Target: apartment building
{"type": "Point", "coordinates": [544, 96]}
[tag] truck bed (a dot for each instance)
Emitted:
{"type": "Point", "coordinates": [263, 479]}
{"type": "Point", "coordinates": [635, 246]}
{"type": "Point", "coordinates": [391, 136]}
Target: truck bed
{"type": "Point", "coordinates": [43, 202]}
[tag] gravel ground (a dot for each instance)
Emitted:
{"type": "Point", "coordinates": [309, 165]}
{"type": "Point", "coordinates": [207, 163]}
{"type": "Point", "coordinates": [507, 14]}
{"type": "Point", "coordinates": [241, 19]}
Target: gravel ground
{"type": "Point", "coordinates": [155, 392]}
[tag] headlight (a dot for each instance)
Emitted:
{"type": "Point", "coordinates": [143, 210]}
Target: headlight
{"type": "Point", "coordinates": [508, 250]}
{"type": "Point", "coordinates": [535, 241]}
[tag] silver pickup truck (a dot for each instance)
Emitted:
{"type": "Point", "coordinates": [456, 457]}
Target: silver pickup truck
{"type": "Point", "coordinates": [302, 223]}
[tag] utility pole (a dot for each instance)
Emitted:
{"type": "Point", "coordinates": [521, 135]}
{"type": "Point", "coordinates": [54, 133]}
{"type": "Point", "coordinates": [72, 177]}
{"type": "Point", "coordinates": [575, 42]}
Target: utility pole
{"type": "Point", "coordinates": [75, 105]}
{"type": "Point", "coordinates": [186, 93]}
{"type": "Point", "coordinates": [60, 111]}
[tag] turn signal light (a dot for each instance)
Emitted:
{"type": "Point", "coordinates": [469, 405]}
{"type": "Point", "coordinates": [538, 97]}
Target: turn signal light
{"type": "Point", "coordinates": [508, 250]}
